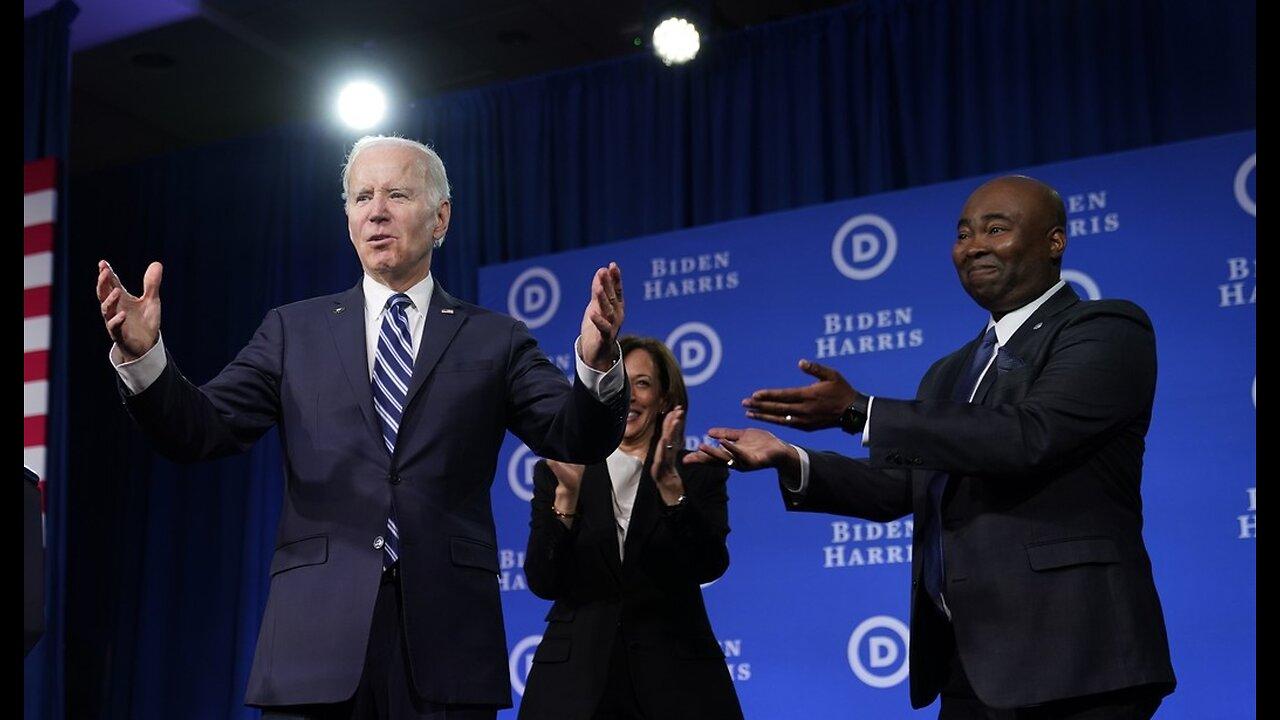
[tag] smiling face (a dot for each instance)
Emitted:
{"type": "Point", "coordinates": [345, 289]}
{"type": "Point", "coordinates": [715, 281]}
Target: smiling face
{"type": "Point", "coordinates": [647, 399]}
{"type": "Point", "coordinates": [392, 216]}
{"type": "Point", "coordinates": [1009, 243]}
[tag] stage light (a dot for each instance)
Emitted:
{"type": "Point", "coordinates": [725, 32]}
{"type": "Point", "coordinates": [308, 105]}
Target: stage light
{"type": "Point", "coordinates": [361, 105]}
{"type": "Point", "coordinates": [676, 41]}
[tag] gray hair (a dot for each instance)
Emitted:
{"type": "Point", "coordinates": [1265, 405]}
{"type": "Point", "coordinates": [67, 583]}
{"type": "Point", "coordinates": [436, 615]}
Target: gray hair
{"type": "Point", "coordinates": [429, 162]}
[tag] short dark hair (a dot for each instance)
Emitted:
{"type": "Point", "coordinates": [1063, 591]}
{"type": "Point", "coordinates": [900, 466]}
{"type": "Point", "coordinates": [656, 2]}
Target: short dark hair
{"type": "Point", "coordinates": [670, 378]}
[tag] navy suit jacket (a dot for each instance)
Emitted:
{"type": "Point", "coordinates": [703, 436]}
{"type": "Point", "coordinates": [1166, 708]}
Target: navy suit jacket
{"type": "Point", "coordinates": [651, 601]}
{"type": "Point", "coordinates": [1047, 577]}
{"type": "Point", "coordinates": [477, 374]}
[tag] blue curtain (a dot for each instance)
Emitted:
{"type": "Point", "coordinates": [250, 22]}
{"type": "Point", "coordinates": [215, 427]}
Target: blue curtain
{"type": "Point", "coordinates": [169, 576]}
{"type": "Point", "coordinates": [46, 75]}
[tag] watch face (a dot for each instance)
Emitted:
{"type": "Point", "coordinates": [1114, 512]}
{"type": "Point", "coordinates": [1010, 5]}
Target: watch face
{"type": "Point", "coordinates": [852, 419]}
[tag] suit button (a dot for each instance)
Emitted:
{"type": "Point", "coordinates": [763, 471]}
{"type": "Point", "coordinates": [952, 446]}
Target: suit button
{"type": "Point", "coordinates": [378, 542]}
{"type": "Point", "coordinates": [394, 478]}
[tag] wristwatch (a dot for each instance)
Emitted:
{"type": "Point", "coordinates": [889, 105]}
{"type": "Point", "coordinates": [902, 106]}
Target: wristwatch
{"type": "Point", "coordinates": [854, 417]}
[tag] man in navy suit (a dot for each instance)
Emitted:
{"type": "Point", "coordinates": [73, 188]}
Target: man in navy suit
{"type": "Point", "coordinates": [391, 400]}
{"type": "Point", "coordinates": [1021, 459]}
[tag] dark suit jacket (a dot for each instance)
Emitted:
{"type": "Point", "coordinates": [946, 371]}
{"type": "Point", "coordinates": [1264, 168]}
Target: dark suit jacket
{"type": "Point", "coordinates": [652, 600]}
{"type": "Point", "coordinates": [476, 375]}
{"type": "Point", "coordinates": [1047, 577]}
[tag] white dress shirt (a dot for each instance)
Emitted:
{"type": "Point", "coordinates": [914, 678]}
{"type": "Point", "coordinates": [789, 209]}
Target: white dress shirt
{"type": "Point", "coordinates": [624, 473]}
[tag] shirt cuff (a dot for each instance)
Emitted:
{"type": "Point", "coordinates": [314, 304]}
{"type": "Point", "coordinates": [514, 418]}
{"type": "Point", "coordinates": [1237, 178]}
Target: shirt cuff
{"type": "Point", "coordinates": [603, 385]}
{"type": "Point", "coordinates": [803, 482]}
{"type": "Point", "coordinates": [138, 375]}
{"type": "Point", "coordinates": [866, 427]}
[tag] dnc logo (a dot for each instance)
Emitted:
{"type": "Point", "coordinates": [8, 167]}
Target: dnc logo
{"type": "Point", "coordinates": [1085, 286]}
{"type": "Point", "coordinates": [521, 661]}
{"type": "Point", "coordinates": [1246, 196]}
{"type": "Point", "coordinates": [697, 349]}
{"type": "Point", "coordinates": [878, 651]}
{"type": "Point", "coordinates": [872, 246]}
{"type": "Point", "coordinates": [534, 297]}
{"type": "Point", "coordinates": [520, 472]}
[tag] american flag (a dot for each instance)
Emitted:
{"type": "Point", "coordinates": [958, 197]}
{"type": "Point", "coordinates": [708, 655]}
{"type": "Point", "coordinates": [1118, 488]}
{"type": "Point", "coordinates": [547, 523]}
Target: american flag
{"type": "Point", "coordinates": [39, 203]}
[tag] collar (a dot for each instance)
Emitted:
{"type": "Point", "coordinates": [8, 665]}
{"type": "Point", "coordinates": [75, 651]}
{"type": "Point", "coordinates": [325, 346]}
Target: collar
{"type": "Point", "coordinates": [376, 294]}
{"type": "Point", "coordinates": [1009, 324]}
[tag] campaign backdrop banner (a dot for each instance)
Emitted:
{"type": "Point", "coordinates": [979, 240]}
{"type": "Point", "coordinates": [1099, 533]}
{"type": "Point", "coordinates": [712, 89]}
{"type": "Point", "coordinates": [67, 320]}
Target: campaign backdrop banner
{"type": "Point", "coordinates": [812, 614]}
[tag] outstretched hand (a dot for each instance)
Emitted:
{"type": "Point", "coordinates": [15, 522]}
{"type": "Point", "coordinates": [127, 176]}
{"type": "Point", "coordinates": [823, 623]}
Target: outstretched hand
{"type": "Point", "coordinates": [745, 449]}
{"type": "Point", "coordinates": [812, 407]}
{"type": "Point", "coordinates": [133, 322]}
{"type": "Point", "coordinates": [602, 320]}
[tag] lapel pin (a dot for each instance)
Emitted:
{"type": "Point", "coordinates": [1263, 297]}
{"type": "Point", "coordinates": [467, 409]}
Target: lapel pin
{"type": "Point", "coordinates": [1038, 326]}
{"type": "Point", "coordinates": [446, 311]}
{"type": "Point", "coordinates": [338, 310]}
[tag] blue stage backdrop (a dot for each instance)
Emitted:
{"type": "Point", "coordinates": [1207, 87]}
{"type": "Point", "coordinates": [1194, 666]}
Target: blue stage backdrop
{"type": "Point", "coordinates": [812, 614]}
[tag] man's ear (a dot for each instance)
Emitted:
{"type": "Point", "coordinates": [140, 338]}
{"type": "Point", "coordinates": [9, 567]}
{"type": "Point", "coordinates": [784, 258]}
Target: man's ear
{"type": "Point", "coordinates": [1057, 242]}
{"type": "Point", "coordinates": [443, 213]}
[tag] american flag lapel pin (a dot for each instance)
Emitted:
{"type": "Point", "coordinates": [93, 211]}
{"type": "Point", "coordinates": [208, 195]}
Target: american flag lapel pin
{"type": "Point", "coordinates": [446, 311]}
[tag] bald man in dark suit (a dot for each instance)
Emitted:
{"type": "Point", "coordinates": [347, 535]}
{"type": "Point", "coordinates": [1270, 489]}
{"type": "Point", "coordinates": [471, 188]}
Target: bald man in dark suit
{"type": "Point", "coordinates": [1021, 458]}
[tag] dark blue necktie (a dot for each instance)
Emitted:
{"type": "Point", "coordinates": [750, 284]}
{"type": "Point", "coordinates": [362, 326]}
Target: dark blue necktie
{"type": "Point", "coordinates": [932, 569]}
{"type": "Point", "coordinates": [392, 371]}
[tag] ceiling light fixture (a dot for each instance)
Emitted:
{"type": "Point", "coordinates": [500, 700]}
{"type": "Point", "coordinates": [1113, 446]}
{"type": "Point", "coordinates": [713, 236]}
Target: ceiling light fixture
{"type": "Point", "coordinates": [676, 41]}
{"type": "Point", "coordinates": [362, 105]}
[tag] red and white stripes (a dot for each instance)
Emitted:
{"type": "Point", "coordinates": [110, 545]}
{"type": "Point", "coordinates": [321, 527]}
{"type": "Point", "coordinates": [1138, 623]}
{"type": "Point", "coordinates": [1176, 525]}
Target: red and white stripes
{"type": "Point", "coordinates": [39, 203]}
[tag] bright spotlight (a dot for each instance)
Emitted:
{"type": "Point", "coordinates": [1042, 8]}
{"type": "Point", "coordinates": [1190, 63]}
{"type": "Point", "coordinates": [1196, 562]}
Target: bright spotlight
{"type": "Point", "coordinates": [361, 105]}
{"type": "Point", "coordinates": [676, 41]}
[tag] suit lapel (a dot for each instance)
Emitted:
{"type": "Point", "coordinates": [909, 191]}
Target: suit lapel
{"type": "Point", "coordinates": [1027, 336]}
{"type": "Point", "coordinates": [439, 327]}
{"type": "Point", "coordinates": [644, 516]}
{"type": "Point", "coordinates": [346, 323]}
{"type": "Point", "coordinates": [597, 490]}
{"type": "Point", "coordinates": [949, 373]}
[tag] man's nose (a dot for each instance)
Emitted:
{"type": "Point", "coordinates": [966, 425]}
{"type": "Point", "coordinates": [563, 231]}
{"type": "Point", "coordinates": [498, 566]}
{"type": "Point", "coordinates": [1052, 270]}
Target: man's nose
{"type": "Point", "coordinates": [378, 208]}
{"type": "Point", "coordinates": [976, 247]}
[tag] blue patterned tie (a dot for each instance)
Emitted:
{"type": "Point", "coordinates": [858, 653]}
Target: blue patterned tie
{"type": "Point", "coordinates": [932, 570]}
{"type": "Point", "coordinates": [392, 371]}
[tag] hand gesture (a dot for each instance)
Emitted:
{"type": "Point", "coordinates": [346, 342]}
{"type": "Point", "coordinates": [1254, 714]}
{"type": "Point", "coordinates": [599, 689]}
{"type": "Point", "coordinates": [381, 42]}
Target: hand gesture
{"type": "Point", "coordinates": [663, 469]}
{"type": "Point", "coordinates": [812, 407]}
{"type": "Point", "coordinates": [132, 322]}
{"type": "Point", "coordinates": [745, 450]}
{"type": "Point", "coordinates": [602, 320]}
{"type": "Point", "coordinates": [568, 475]}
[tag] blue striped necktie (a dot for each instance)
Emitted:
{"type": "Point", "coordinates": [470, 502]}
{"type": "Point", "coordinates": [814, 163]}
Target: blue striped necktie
{"type": "Point", "coordinates": [932, 571]}
{"type": "Point", "coordinates": [392, 371]}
